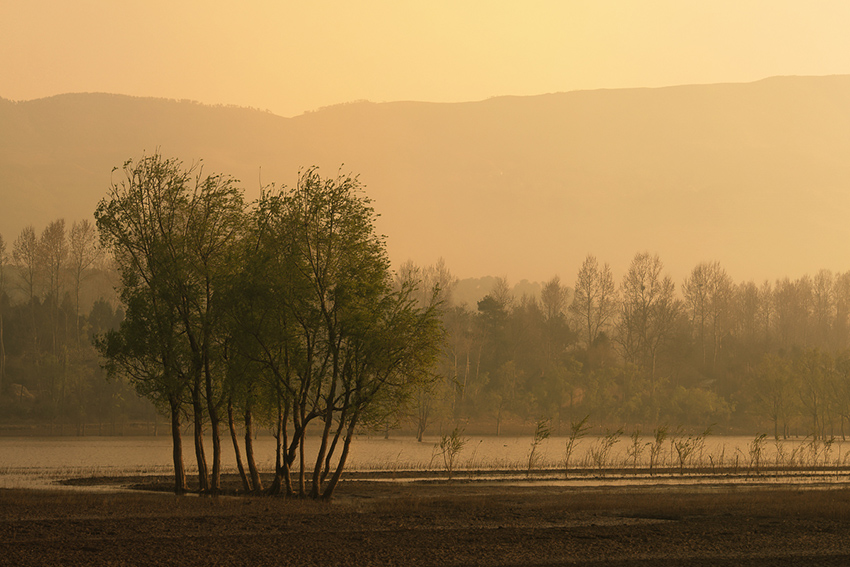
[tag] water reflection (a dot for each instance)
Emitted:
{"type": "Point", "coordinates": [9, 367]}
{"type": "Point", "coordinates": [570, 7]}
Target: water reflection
{"type": "Point", "coordinates": [32, 462]}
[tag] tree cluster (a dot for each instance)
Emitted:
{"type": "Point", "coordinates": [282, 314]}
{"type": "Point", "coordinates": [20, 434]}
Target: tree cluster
{"type": "Point", "coordinates": [283, 311]}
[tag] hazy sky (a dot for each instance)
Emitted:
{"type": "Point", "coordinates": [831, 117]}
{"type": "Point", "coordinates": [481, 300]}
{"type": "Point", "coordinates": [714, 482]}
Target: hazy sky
{"type": "Point", "coordinates": [290, 57]}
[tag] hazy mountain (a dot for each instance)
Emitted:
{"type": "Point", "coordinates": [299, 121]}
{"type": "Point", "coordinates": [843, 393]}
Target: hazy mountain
{"type": "Point", "coordinates": [754, 175]}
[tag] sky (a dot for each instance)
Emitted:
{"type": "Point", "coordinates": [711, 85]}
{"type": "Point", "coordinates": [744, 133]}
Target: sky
{"type": "Point", "coordinates": [291, 57]}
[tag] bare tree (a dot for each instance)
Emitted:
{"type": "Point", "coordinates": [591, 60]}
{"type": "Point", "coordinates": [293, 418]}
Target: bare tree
{"type": "Point", "coordinates": [554, 298]}
{"type": "Point", "coordinates": [823, 308]}
{"type": "Point", "coordinates": [708, 296]}
{"type": "Point", "coordinates": [649, 310]}
{"type": "Point", "coordinates": [792, 302]}
{"type": "Point", "coordinates": [767, 310]}
{"type": "Point", "coordinates": [556, 334]}
{"type": "Point", "coordinates": [438, 279]}
{"type": "Point", "coordinates": [54, 250]}
{"type": "Point", "coordinates": [27, 257]}
{"type": "Point", "coordinates": [502, 293]}
{"type": "Point", "coordinates": [595, 300]}
{"type": "Point", "coordinates": [84, 252]}
{"type": "Point", "coordinates": [747, 305]}
{"type": "Point", "coordinates": [433, 285]}
{"type": "Point", "coordinates": [841, 330]}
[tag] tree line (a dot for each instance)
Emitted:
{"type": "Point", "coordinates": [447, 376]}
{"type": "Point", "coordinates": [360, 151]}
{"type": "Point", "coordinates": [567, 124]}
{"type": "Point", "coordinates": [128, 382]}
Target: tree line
{"type": "Point", "coordinates": [644, 352]}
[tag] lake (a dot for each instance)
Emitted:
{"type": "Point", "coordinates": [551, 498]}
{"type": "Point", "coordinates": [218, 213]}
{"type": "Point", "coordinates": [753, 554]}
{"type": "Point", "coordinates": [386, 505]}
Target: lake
{"type": "Point", "coordinates": [35, 462]}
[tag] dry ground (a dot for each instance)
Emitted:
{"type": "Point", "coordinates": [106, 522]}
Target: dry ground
{"type": "Point", "coordinates": [435, 523]}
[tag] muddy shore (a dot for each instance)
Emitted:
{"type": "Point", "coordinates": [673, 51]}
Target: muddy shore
{"type": "Point", "coordinates": [430, 523]}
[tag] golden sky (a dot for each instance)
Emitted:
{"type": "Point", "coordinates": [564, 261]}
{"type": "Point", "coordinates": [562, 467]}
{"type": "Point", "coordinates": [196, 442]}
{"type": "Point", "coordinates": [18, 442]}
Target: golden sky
{"type": "Point", "coordinates": [290, 57]}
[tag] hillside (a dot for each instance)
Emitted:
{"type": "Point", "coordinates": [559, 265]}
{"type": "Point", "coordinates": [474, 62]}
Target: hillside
{"type": "Point", "coordinates": [753, 175]}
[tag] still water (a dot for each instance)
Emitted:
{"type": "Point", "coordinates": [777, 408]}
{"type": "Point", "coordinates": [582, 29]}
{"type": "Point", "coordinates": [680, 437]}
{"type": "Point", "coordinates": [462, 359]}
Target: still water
{"type": "Point", "coordinates": [31, 462]}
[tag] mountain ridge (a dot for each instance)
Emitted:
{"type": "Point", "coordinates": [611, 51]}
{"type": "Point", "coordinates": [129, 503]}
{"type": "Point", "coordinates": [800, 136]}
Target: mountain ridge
{"type": "Point", "coordinates": [753, 175]}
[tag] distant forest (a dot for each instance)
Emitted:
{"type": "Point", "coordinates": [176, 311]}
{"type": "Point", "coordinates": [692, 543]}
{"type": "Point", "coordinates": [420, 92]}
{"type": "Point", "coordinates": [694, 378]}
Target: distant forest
{"type": "Point", "coordinates": [56, 295]}
{"type": "Point", "coordinates": [771, 357]}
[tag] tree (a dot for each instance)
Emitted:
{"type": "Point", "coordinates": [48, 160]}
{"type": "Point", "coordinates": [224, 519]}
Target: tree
{"type": "Point", "coordinates": [649, 310]}
{"type": "Point", "coordinates": [463, 347]}
{"type": "Point", "coordinates": [433, 285]}
{"type": "Point", "coordinates": [792, 303]}
{"type": "Point", "coordinates": [594, 303]}
{"type": "Point", "coordinates": [145, 350]}
{"type": "Point", "coordinates": [348, 297]}
{"type": "Point", "coordinates": [201, 264]}
{"type": "Point", "coordinates": [746, 301]}
{"type": "Point", "coordinates": [841, 329]}
{"type": "Point", "coordinates": [53, 247]}
{"type": "Point", "coordinates": [823, 308]}
{"type": "Point", "coordinates": [503, 392]}
{"type": "Point", "coordinates": [708, 295]}
{"type": "Point", "coordinates": [554, 299]}
{"type": "Point", "coordinates": [357, 342]}
{"type": "Point", "coordinates": [27, 257]}
{"type": "Point", "coordinates": [771, 392]}
{"type": "Point", "coordinates": [83, 253]}
{"type": "Point", "coordinates": [140, 222]}
{"type": "Point", "coordinates": [262, 315]}
{"type": "Point", "coordinates": [814, 372]}
{"type": "Point", "coordinates": [502, 293]}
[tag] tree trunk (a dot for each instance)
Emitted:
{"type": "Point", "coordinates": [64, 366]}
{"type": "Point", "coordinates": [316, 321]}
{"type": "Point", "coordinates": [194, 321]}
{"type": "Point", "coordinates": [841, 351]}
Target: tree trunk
{"type": "Point", "coordinates": [337, 435]}
{"type": "Point", "coordinates": [302, 465]}
{"type": "Point", "coordinates": [177, 448]}
{"type": "Point", "coordinates": [214, 427]}
{"type": "Point", "coordinates": [288, 459]}
{"type": "Point", "coordinates": [316, 489]}
{"type": "Point", "coordinates": [203, 472]}
{"type": "Point", "coordinates": [274, 489]}
{"type": "Point", "coordinates": [249, 451]}
{"type": "Point", "coordinates": [331, 486]}
{"type": "Point", "coordinates": [246, 484]}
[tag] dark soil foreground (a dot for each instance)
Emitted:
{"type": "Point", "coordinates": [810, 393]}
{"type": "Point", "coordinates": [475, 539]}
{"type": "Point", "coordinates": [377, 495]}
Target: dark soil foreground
{"type": "Point", "coordinates": [434, 523]}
